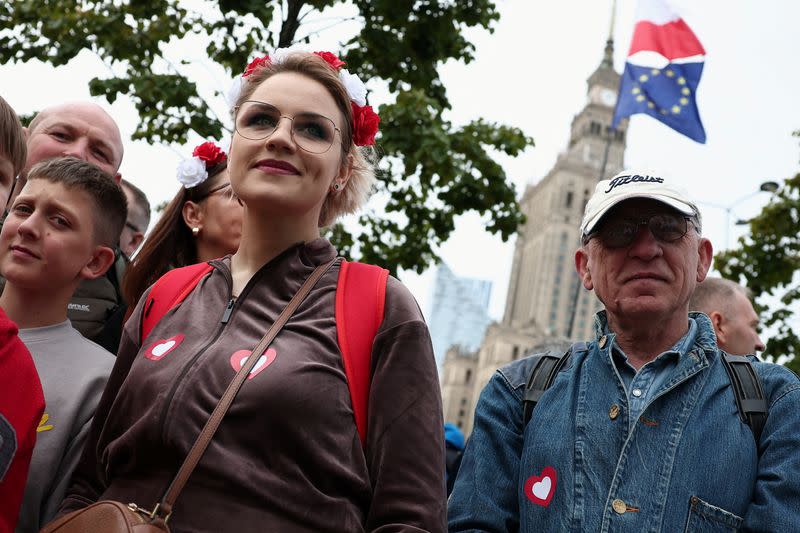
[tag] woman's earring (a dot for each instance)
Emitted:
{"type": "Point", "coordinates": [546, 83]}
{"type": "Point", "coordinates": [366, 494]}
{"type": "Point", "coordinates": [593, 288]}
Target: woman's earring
{"type": "Point", "coordinates": [337, 186]}
{"type": "Point", "coordinates": [195, 231]}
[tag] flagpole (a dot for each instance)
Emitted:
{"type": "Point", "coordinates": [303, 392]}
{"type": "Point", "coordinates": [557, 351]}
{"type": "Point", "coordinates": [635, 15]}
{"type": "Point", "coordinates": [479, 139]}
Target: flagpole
{"type": "Point", "coordinates": [609, 57]}
{"type": "Point", "coordinates": [613, 19]}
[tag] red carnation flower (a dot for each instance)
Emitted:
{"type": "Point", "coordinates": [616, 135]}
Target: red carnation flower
{"type": "Point", "coordinates": [365, 124]}
{"type": "Point", "coordinates": [210, 153]}
{"type": "Point", "coordinates": [256, 64]}
{"type": "Point", "coordinates": [331, 59]}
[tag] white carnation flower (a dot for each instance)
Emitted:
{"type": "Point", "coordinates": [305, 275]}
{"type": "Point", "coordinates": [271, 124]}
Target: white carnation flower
{"type": "Point", "coordinates": [281, 53]}
{"type": "Point", "coordinates": [355, 87]}
{"type": "Point", "coordinates": [192, 172]}
{"type": "Point", "coordinates": [234, 91]}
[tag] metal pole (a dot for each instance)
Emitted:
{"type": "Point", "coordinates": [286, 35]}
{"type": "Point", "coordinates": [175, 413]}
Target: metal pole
{"type": "Point", "coordinates": [609, 136]}
{"type": "Point", "coordinates": [577, 293]}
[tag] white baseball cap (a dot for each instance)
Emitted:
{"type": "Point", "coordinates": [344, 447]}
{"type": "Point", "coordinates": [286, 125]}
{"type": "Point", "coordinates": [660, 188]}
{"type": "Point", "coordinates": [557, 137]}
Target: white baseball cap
{"type": "Point", "coordinates": [634, 184]}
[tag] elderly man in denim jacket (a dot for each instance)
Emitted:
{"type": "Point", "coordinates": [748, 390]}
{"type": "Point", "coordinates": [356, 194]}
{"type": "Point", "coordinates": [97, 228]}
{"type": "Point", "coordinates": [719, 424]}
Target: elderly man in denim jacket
{"type": "Point", "coordinates": [641, 431]}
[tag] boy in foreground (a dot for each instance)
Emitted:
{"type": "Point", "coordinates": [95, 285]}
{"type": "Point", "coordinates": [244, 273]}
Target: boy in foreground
{"type": "Point", "coordinates": [60, 230]}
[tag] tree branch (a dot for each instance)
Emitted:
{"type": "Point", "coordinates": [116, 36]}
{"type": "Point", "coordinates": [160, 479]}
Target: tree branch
{"type": "Point", "coordinates": [291, 23]}
{"type": "Point", "coordinates": [319, 31]}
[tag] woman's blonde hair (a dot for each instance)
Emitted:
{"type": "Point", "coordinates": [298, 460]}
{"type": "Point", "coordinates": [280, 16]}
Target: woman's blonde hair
{"type": "Point", "coordinates": [360, 159]}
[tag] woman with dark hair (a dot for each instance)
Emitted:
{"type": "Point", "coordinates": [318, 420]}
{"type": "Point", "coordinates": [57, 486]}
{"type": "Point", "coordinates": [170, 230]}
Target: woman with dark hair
{"type": "Point", "coordinates": [288, 455]}
{"type": "Point", "coordinates": [203, 221]}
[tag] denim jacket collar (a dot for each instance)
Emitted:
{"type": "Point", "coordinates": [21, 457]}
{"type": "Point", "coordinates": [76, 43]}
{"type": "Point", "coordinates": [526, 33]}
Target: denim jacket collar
{"type": "Point", "coordinates": [700, 341]}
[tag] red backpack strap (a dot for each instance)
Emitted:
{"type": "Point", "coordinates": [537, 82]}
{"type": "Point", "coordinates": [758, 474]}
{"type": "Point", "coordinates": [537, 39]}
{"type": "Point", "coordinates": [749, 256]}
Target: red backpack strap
{"type": "Point", "coordinates": [360, 297]}
{"type": "Point", "coordinates": [168, 291]}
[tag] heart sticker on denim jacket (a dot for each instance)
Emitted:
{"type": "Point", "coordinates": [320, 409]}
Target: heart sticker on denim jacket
{"type": "Point", "coordinates": [540, 489]}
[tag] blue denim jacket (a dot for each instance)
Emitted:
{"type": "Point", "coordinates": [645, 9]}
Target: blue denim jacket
{"type": "Point", "coordinates": [689, 463]}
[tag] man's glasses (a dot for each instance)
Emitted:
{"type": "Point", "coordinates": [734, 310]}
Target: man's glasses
{"type": "Point", "coordinates": [311, 132]}
{"type": "Point", "coordinates": [666, 227]}
{"type": "Point", "coordinates": [131, 227]}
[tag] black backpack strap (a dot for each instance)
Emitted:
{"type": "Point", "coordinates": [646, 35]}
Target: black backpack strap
{"type": "Point", "coordinates": [546, 367]}
{"type": "Point", "coordinates": [747, 390]}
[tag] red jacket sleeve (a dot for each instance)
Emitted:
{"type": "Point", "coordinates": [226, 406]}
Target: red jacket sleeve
{"type": "Point", "coordinates": [21, 407]}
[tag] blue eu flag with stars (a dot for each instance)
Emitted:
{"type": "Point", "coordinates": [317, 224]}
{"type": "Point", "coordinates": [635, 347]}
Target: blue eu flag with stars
{"type": "Point", "coordinates": [667, 94]}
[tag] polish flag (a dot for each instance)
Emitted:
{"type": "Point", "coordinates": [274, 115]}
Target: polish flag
{"type": "Point", "coordinates": [662, 71]}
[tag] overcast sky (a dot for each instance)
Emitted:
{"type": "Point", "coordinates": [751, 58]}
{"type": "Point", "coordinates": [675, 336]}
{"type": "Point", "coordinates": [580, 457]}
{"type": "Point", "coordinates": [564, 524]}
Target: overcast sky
{"type": "Point", "coordinates": [531, 73]}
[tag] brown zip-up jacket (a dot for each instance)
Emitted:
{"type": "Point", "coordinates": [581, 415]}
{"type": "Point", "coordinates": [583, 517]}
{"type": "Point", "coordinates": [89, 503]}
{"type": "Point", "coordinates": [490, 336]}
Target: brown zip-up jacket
{"type": "Point", "coordinates": [287, 456]}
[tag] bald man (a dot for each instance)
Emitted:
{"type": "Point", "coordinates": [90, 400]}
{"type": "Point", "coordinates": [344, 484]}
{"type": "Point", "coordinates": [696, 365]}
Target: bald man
{"type": "Point", "coordinates": [86, 131]}
{"type": "Point", "coordinates": [728, 306]}
{"type": "Point", "coordinates": [80, 129]}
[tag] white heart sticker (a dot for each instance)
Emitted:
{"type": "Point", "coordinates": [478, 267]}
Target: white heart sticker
{"type": "Point", "coordinates": [259, 364]}
{"type": "Point", "coordinates": [541, 489]}
{"type": "Point", "coordinates": [160, 349]}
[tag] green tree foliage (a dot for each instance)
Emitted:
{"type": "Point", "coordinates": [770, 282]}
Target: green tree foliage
{"type": "Point", "coordinates": [431, 170]}
{"type": "Point", "coordinates": [768, 262]}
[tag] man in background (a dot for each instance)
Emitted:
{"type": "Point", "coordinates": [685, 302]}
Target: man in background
{"type": "Point", "coordinates": [729, 307]}
{"type": "Point", "coordinates": [138, 219]}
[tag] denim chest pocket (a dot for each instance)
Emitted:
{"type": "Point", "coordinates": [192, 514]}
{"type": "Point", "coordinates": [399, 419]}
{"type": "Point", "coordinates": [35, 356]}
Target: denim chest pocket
{"type": "Point", "coordinates": [706, 518]}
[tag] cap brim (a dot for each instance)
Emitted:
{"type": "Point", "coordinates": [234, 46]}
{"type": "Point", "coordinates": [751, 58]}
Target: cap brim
{"type": "Point", "coordinates": [683, 207]}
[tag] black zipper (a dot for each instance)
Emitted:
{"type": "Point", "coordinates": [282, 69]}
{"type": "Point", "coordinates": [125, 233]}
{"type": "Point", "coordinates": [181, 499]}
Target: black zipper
{"type": "Point", "coordinates": [226, 316]}
{"type": "Point", "coordinates": [174, 388]}
{"type": "Point", "coordinates": [228, 310]}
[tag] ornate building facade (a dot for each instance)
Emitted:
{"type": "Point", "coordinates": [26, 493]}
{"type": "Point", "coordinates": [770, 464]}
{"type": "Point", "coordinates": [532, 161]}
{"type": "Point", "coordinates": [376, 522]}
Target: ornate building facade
{"type": "Point", "coordinates": [546, 306]}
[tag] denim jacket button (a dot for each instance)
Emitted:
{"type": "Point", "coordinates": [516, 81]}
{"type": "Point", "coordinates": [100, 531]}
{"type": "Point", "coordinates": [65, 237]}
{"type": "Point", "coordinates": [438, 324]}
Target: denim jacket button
{"type": "Point", "coordinates": [613, 413]}
{"type": "Point", "coordinates": [602, 342]}
{"type": "Point", "coordinates": [619, 506]}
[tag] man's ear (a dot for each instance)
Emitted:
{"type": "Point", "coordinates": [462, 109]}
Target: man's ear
{"type": "Point", "coordinates": [101, 260]}
{"type": "Point", "coordinates": [706, 254]}
{"type": "Point", "coordinates": [718, 321]}
{"type": "Point", "coordinates": [582, 267]}
{"type": "Point", "coordinates": [136, 239]}
{"type": "Point", "coordinates": [117, 178]}
{"type": "Point", "coordinates": [192, 214]}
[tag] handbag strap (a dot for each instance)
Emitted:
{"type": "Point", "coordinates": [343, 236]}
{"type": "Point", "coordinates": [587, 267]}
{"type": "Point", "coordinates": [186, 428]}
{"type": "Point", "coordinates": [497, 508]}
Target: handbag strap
{"type": "Point", "coordinates": [164, 509]}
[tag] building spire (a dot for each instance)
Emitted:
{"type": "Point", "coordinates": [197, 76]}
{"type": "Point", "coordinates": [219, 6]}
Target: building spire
{"type": "Point", "coordinates": [608, 56]}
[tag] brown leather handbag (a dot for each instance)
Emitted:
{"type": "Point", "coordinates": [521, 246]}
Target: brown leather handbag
{"type": "Point", "coordinates": [108, 516]}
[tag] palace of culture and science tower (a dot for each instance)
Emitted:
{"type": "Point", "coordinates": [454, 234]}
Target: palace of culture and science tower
{"type": "Point", "coordinates": [546, 306]}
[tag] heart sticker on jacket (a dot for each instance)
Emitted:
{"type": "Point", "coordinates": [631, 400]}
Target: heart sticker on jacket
{"type": "Point", "coordinates": [239, 357]}
{"type": "Point", "coordinates": [162, 347]}
{"type": "Point", "coordinates": [540, 489]}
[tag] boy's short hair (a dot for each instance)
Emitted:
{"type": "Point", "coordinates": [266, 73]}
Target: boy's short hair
{"type": "Point", "coordinates": [110, 205]}
{"type": "Point", "coordinates": [12, 137]}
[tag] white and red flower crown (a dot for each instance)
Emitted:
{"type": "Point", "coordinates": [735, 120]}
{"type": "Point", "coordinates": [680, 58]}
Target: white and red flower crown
{"type": "Point", "coordinates": [365, 120]}
{"type": "Point", "coordinates": [194, 171]}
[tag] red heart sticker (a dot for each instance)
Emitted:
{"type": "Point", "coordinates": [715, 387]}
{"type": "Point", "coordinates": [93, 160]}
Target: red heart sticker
{"type": "Point", "coordinates": [540, 489]}
{"type": "Point", "coordinates": [162, 347]}
{"type": "Point", "coordinates": [239, 357]}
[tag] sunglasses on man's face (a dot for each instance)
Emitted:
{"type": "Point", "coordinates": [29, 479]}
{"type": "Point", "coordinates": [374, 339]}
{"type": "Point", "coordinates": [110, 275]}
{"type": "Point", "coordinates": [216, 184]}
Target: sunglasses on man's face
{"type": "Point", "coordinates": [665, 227]}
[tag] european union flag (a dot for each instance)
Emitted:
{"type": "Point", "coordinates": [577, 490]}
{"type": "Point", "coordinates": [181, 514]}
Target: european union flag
{"type": "Point", "coordinates": [663, 70]}
{"type": "Point", "coordinates": [667, 94]}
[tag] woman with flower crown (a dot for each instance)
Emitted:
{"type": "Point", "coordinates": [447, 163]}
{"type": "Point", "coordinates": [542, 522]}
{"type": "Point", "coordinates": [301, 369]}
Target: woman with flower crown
{"type": "Point", "coordinates": [288, 455]}
{"type": "Point", "coordinates": [203, 221]}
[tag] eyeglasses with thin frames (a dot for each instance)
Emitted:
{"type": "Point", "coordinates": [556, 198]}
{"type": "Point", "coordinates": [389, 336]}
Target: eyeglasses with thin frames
{"type": "Point", "coordinates": [259, 120]}
{"type": "Point", "coordinates": [226, 190]}
{"type": "Point", "coordinates": [132, 227]}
